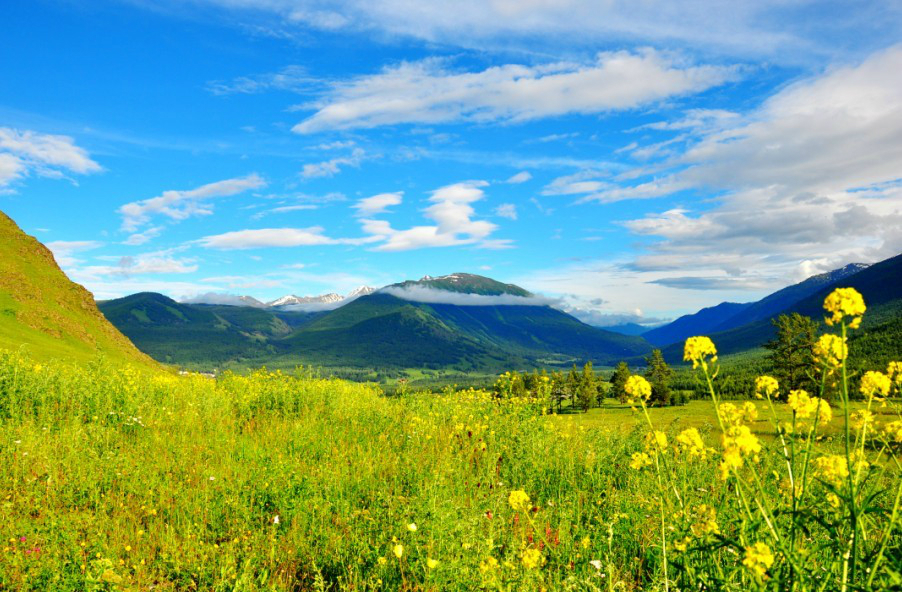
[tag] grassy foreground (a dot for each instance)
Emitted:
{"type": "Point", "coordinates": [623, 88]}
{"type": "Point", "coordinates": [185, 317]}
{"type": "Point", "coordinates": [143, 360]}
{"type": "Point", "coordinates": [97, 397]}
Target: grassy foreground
{"type": "Point", "coordinates": [115, 480]}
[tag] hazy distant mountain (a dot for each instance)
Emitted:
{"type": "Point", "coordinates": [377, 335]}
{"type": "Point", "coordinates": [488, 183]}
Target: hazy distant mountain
{"type": "Point", "coordinates": [627, 328]}
{"type": "Point", "coordinates": [699, 323]}
{"type": "Point", "coordinates": [880, 284]}
{"type": "Point", "coordinates": [292, 300]}
{"type": "Point", "coordinates": [729, 315]}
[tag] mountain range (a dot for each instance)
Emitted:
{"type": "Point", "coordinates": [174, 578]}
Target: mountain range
{"type": "Point", "coordinates": [460, 322]}
{"type": "Point", "coordinates": [388, 328]}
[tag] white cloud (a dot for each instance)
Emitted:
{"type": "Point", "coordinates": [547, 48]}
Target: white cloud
{"type": "Point", "coordinates": [453, 214]}
{"type": "Point", "coordinates": [521, 177]}
{"type": "Point", "coordinates": [782, 31]}
{"type": "Point", "coordinates": [179, 205]}
{"type": "Point", "coordinates": [267, 237]}
{"type": "Point", "coordinates": [289, 78]}
{"type": "Point", "coordinates": [64, 251]}
{"type": "Point", "coordinates": [507, 210]}
{"type": "Point", "coordinates": [378, 203]}
{"type": "Point", "coordinates": [331, 167]}
{"type": "Point", "coordinates": [24, 152]}
{"type": "Point", "coordinates": [434, 296]}
{"type": "Point", "coordinates": [285, 210]}
{"type": "Point", "coordinates": [428, 92]}
{"type": "Point", "coordinates": [140, 238]}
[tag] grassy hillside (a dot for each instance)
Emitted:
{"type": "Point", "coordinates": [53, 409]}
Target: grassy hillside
{"type": "Point", "coordinates": [44, 312]}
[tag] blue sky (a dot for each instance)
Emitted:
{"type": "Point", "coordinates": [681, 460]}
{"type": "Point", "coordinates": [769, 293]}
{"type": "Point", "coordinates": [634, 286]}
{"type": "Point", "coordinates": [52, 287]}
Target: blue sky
{"type": "Point", "coordinates": [638, 160]}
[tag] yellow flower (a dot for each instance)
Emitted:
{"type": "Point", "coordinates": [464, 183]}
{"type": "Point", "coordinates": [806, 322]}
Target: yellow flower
{"type": "Point", "coordinates": [519, 500]}
{"type": "Point", "coordinates": [532, 558]}
{"type": "Point", "coordinates": [862, 419]}
{"type": "Point", "coordinates": [412, 527]}
{"type": "Point", "coordinates": [832, 468]}
{"type": "Point", "coordinates": [893, 431]}
{"type": "Point", "coordinates": [830, 351]}
{"type": "Point", "coordinates": [845, 302]}
{"type": "Point", "coordinates": [697, 349]}
{"type": "Point", "coordinates": [738, 443]}
{"type": "Point", "coordinates": [655, 441]}
{"type": "Point", "coordinates": [398, 550]}
{"type": "Point", "coordinates": [681, 545]}
{"type": "Point", "coordinates": [802, 403]}
{"type": "Point", "coordinates": [704, 521]}
{"type": "Point", "coordinates": [690, 442]}
{"type": "Point", "coordinates": [875, 384]}
{"type": "Point", "coordinates": [639, 461]}
{"type": "Point", "coordinates": [637, 387]}
{"type": "Point", "coordinates": [824, 412]}
{"type": "Point", "coordinates": [432, 563]}
{"type": "Point", "coordinates": [490, 564]}
{"type": "Point", "coordinates": [382, 561]}
{"type": "Point", "coordinates": [894, 371]}
{"type": "Point", "coordinates": [758, 558]}
{"type": "Point", "coordinates": [766, 386]}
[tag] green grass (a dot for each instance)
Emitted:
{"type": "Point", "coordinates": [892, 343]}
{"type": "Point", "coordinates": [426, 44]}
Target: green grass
{"type": "Point", "coordinates": [123, 479]}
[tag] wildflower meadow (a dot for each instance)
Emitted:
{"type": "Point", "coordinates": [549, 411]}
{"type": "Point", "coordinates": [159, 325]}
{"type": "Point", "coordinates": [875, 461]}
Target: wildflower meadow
{"type": "Point", "coordinates": [118, 478]}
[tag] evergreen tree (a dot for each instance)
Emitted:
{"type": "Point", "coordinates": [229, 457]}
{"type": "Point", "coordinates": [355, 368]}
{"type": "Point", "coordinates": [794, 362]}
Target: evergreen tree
{"type": "Point", "coordinates": [658, 374]}
{"type": "Point", "coordinates": [586, 392]}
{"type": "Point", "coordinates": [618, 381]}
{"type": "Point", "coordinates": [792, 351]}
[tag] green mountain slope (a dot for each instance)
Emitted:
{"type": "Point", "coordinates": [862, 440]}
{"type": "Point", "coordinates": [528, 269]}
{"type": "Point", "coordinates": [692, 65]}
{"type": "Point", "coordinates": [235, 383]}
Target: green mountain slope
{"type": "Point", "coordinates": [380, 330]}
{"type": "Point", "coordinates": [46, 313]}
{"type": "Point", "coordinates": [730, 315]}
{"type": "Point", "coordinates": [466, 283]}
{"type": "Point", "coordinates": [199, 334]}
{"type": "Point", "coordinates": [880, 284]}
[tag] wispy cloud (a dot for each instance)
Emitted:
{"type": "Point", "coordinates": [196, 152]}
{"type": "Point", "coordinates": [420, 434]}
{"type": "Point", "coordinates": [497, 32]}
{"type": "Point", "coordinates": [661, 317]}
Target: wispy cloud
{"type": "Point", "coordinates": [180, 205]}
{"type": "Point", "coordinates": [331, 167]}
{"type": "Point", "coordinates": [378, 204]}
{"type": "Point", "coordinates": [64, 251]}
{"type": "Point", "coordinates": [521, 177]}
{"type": "Point", "coordinates": [26, 152]}
{"type": "Point", "coordinates": [289, 78]}
{"type": "Point", "coordinates": [267, 237]}
{"type": "Point", "coordinates": [434, 296]}
{"type": "Point", "coordinates": [428, 92]}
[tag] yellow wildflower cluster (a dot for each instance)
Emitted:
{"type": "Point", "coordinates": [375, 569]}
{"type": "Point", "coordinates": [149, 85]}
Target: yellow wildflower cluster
{"type": "Point", "coordinates": [894, 371]}
{"type": "Point", "coordinates": [875, 384]}
{"type": "Point", "coordinates": [655, 441]}
{"type": "Point", "coordinates": [758, 558]}
{"type": "Point", "coordinates": [738, 414]}
{"type": "Point", "coordinates": [766, 386]}
{"type": "Point", "coordinates": [739, 443]}
{"type": "Point", "coordinates": [842, 303]}
{"type": "Point", "coordinates": [704, 521]}
{"type": "Point", "coordinates": [830, 351]}
{"type": "Point", "coordinates": [832, 468]}
{"type": "Point", "coordinates": [532, 559]}
{"type": "Point", "coordinates": [893, 431]}
{"type": "Point", "coordinates": [639, 461]}
{"type": "Point", "coordinates": [637, 388]}
{"type": "Point", "coordinates": [697, 349]}
{"type": "Point", "coordinates": [519, 501]}
{"type": "Point", "coordinates": [691, 444]}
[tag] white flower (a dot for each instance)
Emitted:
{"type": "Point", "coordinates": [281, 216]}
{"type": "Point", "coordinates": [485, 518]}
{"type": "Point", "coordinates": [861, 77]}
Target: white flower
{"type": "Point", "coordinates": [596, 563]}
{"type": "Point", "coordinates": [275, 519]}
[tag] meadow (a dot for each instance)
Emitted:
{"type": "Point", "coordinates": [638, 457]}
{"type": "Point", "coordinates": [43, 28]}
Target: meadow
{"type": "Point", "coordinates": [119, 478]}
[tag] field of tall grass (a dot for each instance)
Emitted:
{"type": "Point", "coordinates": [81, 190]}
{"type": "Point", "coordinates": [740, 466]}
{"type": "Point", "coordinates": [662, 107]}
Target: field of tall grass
{"type": "Point", "coordinates": [116, 479]}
